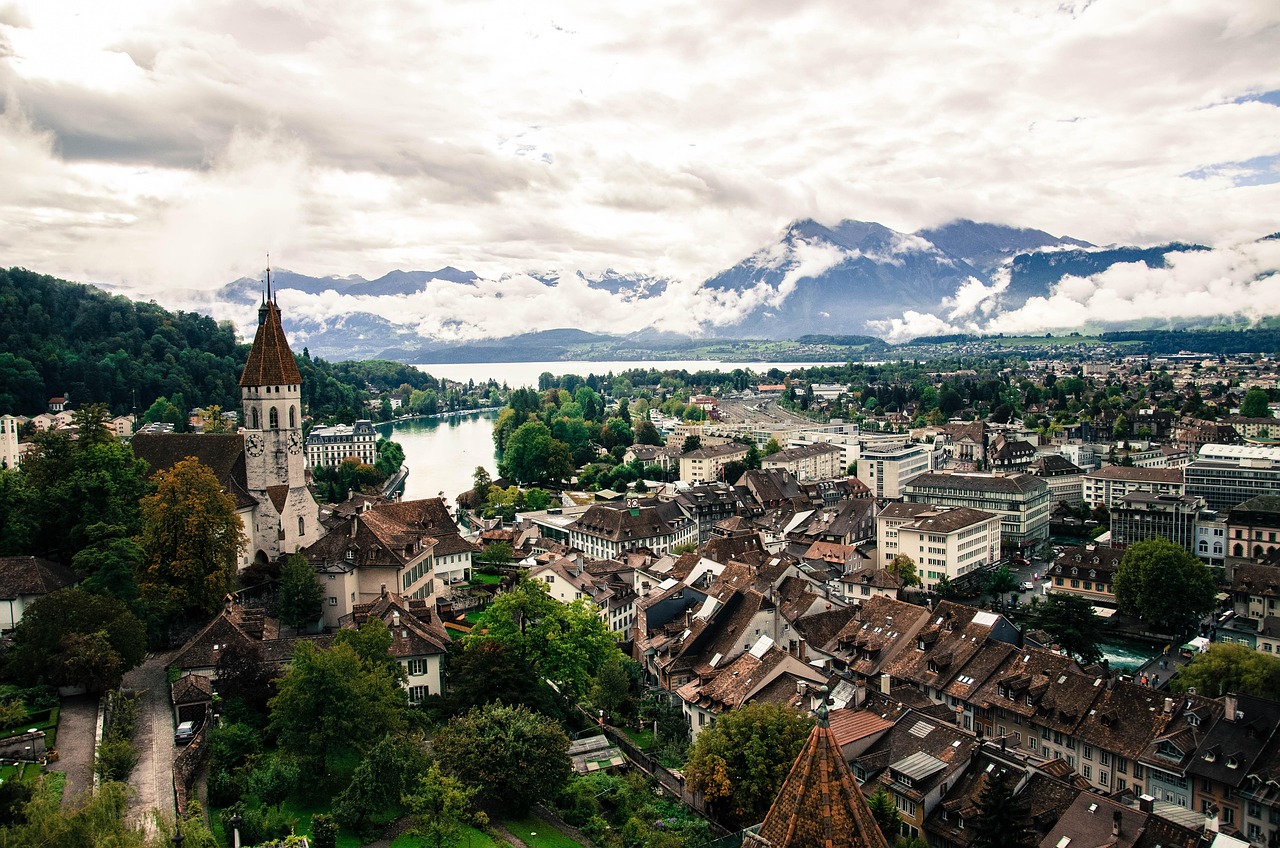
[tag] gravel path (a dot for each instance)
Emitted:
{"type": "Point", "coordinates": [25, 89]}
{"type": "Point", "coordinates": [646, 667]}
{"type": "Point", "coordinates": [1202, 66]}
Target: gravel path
{"type": "Point", "coordinates": [152, 779]}
{"type": "Point", "coordinates": [77, 723]}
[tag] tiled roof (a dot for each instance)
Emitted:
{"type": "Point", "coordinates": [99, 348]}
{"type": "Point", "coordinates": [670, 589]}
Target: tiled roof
{"type": "Point", "coordinates": [270, 361]}
{"type": "Point", "coordinates": [25, 576]}
{"type": "Point", "coordinates": [192, 689]}
{"type": "Point", "coordinates": [819, 804]}
{"type": "Point", "coordinates": [996, 482]}
{"type": "Point", "coordinates": [419, 633]}
{"type": "Point", "coordinates": [1138, 474]}
{"type": "Point", "coordinates": [221, 452]}
{"type": "Point", "coordinates": [851, 725]}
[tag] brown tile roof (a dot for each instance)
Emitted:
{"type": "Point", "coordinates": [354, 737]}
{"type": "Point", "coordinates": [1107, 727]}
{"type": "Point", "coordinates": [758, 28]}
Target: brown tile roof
{"type": "Point", "coordinates": [419, 632]}
{"type": "Point", "coordinates": [221, 452]}
{"type": "Point", "coordinates": [270, 361]}
{"type": "Point", "coordinates": [1138, 474]}
{"type": "Point", "coordinates": [192, 689]}
{"type": "Point", "coordinates": [851, 725]}
{"type": "Point", "coordinates": [819, 804]}
{"type": "Point", "coordinates": [23, 576]}
{"type": "Point", "coordinates": [819, 628]}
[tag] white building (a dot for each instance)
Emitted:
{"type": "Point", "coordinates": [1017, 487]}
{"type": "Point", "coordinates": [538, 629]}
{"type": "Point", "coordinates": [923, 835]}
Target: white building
{"type": "Point", "coordinates": [819, 461]}
{"type": "Point", "coordinates": [10, 454]}
{"type": "Point", "coordinates": [329, 446]}
{"type": "Point", "coordinates": [706, 464]}
{"type": "Point", "coordinates": [941, 542]}
{"type": "Point", "coordinates": [604, 532]}
{"type": "Point", "coordinates": [1021, 500]}
{"type": "Point", "coordinates": [1108, 485]}
{"type": "Point", "coordinates": [885, 470]}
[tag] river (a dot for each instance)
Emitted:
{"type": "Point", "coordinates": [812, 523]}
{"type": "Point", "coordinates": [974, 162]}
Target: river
{"type": "Point", "coordinates": [442, 453]}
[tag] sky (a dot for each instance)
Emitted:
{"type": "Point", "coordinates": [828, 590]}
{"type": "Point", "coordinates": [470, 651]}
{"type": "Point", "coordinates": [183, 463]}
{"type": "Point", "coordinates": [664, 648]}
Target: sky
{"type": "Point", "coordinates": [166, 146]}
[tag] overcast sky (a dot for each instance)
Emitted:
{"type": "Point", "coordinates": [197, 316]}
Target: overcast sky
{"type": "Point", "coordinates": [169, 145]}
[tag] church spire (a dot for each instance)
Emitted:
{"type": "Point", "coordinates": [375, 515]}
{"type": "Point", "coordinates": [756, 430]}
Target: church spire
{"type": "Point", "coordinates": [266, 296]}
{"type": "Point", "coordinates": [270, 361]}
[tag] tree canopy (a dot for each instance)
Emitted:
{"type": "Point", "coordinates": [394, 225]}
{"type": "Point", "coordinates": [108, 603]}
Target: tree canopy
{"type": "Point", "coordinates": [1164, 585]}
{"type": "Point", "coordinates": [300, 594]}
{"type": "Point", "coordinates": [739, 762]}
{"type": "Point", "coordinates": [1256, 403]}
{"type": "Point", "coordinates": [75, 638]}
{"type": "Point", "coordinates": [1004, 818]}
{"type": "Point", "coordinates": [1227, 667]}
{"type": "Point", "coordinates": [1069, 619]}
{"type": "Point", "coordinates": [191, 536]}
{"type": "Point", "coordinates": [532, 455]}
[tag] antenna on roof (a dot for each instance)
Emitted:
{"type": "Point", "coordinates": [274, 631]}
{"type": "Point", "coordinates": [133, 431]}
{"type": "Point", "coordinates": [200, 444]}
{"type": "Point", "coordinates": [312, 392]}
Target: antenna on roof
{"type": "Point", "coordinates": [268, 276]}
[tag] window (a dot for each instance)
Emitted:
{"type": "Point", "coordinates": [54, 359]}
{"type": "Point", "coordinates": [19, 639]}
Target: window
{"type": "Point", "coordinates": [302, 526]}
{"type": "Point", "coordinates": [417, 694]}
{"type": "Point", "coordinates": [333, 602]}
{"type": "Point", "coordinates": [1088, 772]}
{"type": "Point", "coordinates": [273, 419]}
{"type": "Point", "coordinates": [1088, 752]}
{"type": "Point", "coordinates": [1105, 757]}
{"type": "Point", "coordinates": [292, 417]}
{"type": "Point", "coordinates": [417, 667]}
{"type": "Point", "coordinates": [1104, 778]}
{"type": "Point", "coordinates": [257, 426]}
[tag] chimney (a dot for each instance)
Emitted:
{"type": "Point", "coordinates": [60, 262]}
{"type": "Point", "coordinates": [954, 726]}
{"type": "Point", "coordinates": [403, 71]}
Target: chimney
{"type": "Point", "coordinates": [959, 717]}
{"type": "Point", "coordinates": [382, 590]}
{"type": "Point", "coordinates": [1115, 824]}
{"type": "Point", "coordinates": [1146, 804]}
{"type": "Point", "coordinates": [886, 683]}
{"type": "Point", "coordinates": [1168, 706]}
{"type": "Point", "coordinates": [1211, 820]}
{"type": "Point", "coordinates": [1230, 705]}
{"type": "Point", "coordinates": [395, 618]}
{"type": "Point", "coordinates": [859, 693]}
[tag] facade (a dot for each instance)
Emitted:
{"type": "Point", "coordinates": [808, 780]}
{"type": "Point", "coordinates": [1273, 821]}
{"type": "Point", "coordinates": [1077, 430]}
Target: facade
{"type": "Point", "coordinates": [329, 446]}
{"type": "Point", "coordinates": [1139, 516]}
{"type": "Point", "coordinates": [419, 641]}
{"type": "Point", "coordinates": [1106, 486]}
{"type": "Point", "coordinates": [604, 532]}
{"type": "Point", "coordinates": [10, 454]}
{"type": "Point", "coordinates": [709, 504]}
{"type": "Point", "coordinates": [1087, 571]}
{"type": "Point", "coordinates": [1228, 475]}
{"type": "Point", "coordinates": [567, 580]}
{"type": "Point", "coordinates": [885, 470]}
{"type": "Point", "coordinates": [949, 542]}
{"type": "Point", "coordinates": [819, 461]}
{"type": "Point", "coordinates": [1253, 527]}
{"type": "Point", "coordinates": [706, 464]}
{"type": "Point", "coordinates": [1065, 478]}
{"type": "Point", "coordinates": [1021, 500]}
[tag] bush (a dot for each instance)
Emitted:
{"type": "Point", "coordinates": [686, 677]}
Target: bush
{"type": "Point", "coordinates": [116, 759]}
{"type": "Point", "coordinates": [259, 824]}
{"type": "Point", "coordinates": [324, 831]}
{"type": "Point", "coordinates": [273, 780]}
{"type": "Point", "coordinates": [124, 716]}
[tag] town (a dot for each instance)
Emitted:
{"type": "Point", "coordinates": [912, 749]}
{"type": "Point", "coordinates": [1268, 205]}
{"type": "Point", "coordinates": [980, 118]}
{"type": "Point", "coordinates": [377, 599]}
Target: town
{"type": "Point", "coordinates": [985, 600]}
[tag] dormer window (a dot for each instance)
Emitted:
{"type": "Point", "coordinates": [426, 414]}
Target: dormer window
{"type": "Point", "coordinates": [1074, 572]}
{"type": "Point", "coordinates": [1232, 763]}
{"type": "Point", "coordinates": [1193, 719]}
{"type": "Point", "coordinates": [1092, 573]}
{"type": "Point", "coordinates": [351, 554]}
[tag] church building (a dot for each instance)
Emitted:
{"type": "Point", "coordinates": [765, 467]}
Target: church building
{"type": "Point", "coordinates": [264, 466]}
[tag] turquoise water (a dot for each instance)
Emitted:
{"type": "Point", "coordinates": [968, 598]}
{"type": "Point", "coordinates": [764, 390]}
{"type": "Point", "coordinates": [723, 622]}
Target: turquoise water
{"type": "Point", "coordinates": [1125, 655]}
{"type": "Point", "coordinates": [442, 453]}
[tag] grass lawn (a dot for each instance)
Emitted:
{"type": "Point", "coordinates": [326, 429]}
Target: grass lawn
{"type": "Point", "coordinates": [642, 739]}
{"type": "Point", "coordinates": [486, 579]}
{"type": "Point", "coordinates": [470, 837]}
{"type": "Point", "coordinates": [538, 833]}
{"type": "Point", "coordinates": [473, 616]}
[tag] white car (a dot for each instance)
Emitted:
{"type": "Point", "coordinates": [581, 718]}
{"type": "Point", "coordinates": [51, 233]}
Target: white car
{"type": "Point", "coordinates": [1028, 586]}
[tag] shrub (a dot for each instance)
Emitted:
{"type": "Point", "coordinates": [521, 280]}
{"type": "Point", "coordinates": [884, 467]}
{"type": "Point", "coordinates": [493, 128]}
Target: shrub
{"type": "Point", "coordinates": [324, 831]}
{"type": "Point", "coordinates": [116, 759]}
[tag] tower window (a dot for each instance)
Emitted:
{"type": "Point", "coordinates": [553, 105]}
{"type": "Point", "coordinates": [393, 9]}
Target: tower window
{"type": "Point", "coordinates": [273, 419]}
{"type": "Point", "coordinates": [257, 425]}
{"type": "Point", "coordinates": [302, 526]}
{"type": "Point", "coordinates": [292, 418]}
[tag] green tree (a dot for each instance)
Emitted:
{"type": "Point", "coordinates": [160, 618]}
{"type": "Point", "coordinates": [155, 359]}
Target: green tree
{"type": "Point", "coordinates": [1004, 818]}
{"type": "Point", "coordinates": [300, 594]}
{"type": "Point", "coordinates": [691, 443]}
{"type": "Point", "coordinates": [440, 806]}
{"type": "Point", "coordinates": [739, 763]}
{"type": "Point", "coordinates": [1256, 404]}
{"type": "Point", "coordinates": [109, 562]}
{"type": "Point", "coordinates": [511, 756]}
{"type": "Point", "coordinates": [885, 811]}
{"type": "Point", "coordinates": [391, 769]}
{"type": "Point", "coordinates": [390, 458]}
{"type": "Point", "coordinates": [1069, 619]}
{"type": "Point", "coordinates": [611, 690]}
{"type": "Point", "coordinates": [1001, 582]}
{"type": "Point", "coordinates": [481, 483]}
{"type": "Point", "coordinates": [496, 553]}
{"type": "Point", "coordinates": [482, 671]}
{"type": "Point", "coordinates": [324, 831]}
{"type": "Point", "coordinates": [944, 588]}
{"type": "Point", "coordinates": [331, 701]}
{"type": "Point", "coordinates": [532, 455]}
{"type": "Point", "coordinates": [19, 513]}
{"type": "Point", "coordinates": [565, 643]}
{"type": "Point", "coordinates": [1227, 667]}
{"type": "Point", "coordinates": [74, 638]}
{"type": "Point", "coordinates": [192, 538]}
{"type": "Point", "coordinates": [647, 434]}
{"type": "Point", "coordinates": [904, 568]}
{"type": "Point", "coordinates": [244, 674]}
{"type": "Point", "coordinates": [771, 447]}
{"type": "Point", "coordinates": [1164, 585]}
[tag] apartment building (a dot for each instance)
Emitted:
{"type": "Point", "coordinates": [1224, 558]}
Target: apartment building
{"type": "Point", "coordinates": [1106, 486]}
{"type": "Point", "coordinates": [330, 446]}
{"type": "Point", "coordinates": [1228, 475]}
{"type": "Point", "coordinates": [819, 461]}
{"type": "Point", "coordinates": [1021, 500]}
{"type": "Point", "coordinates": [706, 464]}
{"type": "Point", "coordinates": [885, 470]}
{"type": "Point", "coordinates": [949, 543]}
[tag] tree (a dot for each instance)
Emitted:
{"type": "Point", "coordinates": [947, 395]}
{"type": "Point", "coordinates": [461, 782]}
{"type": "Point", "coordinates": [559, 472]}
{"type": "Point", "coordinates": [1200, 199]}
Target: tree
{"type": "Point", "coordinates": [885, 811]}
{"type": "Point", "coordinates": [109, 562]}
{"type": "Point", "coordinates": [532, 455]}
{"type": "Point", "coordinates": [1069, 619]}
{"type": "Point", "coordinates": [1001, 582]}
{"type": "Point", "coordinates": [243, 673]}
{"type": "Point", "coordinates": [390, 458]}
{"type": "Point", "coordinates": [440, 806]}
{"type": "Point", "coordinates": [565, 643]}
{"type": "Point", "coordinates": [1164, 585]}
{"type": "Point", "coordinates": [647, 434]}
{"type": "Point", "coordinates": [487, 670]}
{"type": "Point", "coordinates": [496, 553]}
{"type": "Point", "coordinates": [904, 568]}
{"type": "Point", "coordinates": [300, 593]}
{"type": "Point", "coordinates": [611, 691]}
{"type": "Point", "coordinates": [192, 538]}
{"type": "Point", "coordinates": [944, 588]}
{"type": "Point", "coordinates": [392, 768]}
{"type": "Point", "coordinates": [481, 483]}
{"type": "Point", "coordinates": [771, 447]}
{"type": "Point", "coordinates": [511, 756]}
{"type": "Point", "coordinates": [691, 443]}
{"type": "Point", "coordinates": [739, 762]}
{"type": "Point", "coordinates": [331, 701]}
{"type": "Point", "coordinates": [215, 422]}
{"type": "Point", "coordinates": [74, 638]}
{"type": "Point", "coordinates": [1004, 818]}
{"type": "Point", "coordinates": [1227, 667]}
{"type": "Point", "coordinates": [1256, 404]}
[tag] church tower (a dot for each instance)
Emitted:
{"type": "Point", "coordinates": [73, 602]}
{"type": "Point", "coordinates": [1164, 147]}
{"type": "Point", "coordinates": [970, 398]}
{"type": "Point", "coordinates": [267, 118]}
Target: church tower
{"type": "Point", "coordinates": [287, 517]}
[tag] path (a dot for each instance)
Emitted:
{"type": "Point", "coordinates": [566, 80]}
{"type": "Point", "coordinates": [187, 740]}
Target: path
{"type": "Point", "coordinates": [152, 778]}
{"type": "Point", "coordinates": [77, 725]}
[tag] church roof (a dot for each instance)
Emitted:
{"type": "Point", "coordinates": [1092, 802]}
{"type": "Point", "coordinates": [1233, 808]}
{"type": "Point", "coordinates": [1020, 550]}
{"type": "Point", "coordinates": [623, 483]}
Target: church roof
{"type": "Point", "coordinates": [819, 805]}
{"type": "Point", "coordinates": [222, 452]}
{"type": "Point", "coordinates": [270, 361]}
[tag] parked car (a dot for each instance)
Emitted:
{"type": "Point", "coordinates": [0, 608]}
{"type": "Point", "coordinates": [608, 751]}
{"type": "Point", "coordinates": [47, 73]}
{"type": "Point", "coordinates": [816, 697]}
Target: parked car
{"type": "Point", "coordinates": [186, 732]}
{"type": "Point", "coordinates": [1028, 586]}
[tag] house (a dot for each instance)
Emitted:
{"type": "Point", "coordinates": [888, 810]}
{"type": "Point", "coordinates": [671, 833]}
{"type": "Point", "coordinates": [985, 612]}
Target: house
{"type": "Point", "coordinates": [708, 504]}
{"type": "Point", "coordinates": [819, 461]}
{"type": "Point", "coordinates": [192, 697]}
{"type": "Point", "coordinates": [884, 470]}
{"type": "Point", "coordinates": [419, 641]}
{"type": "Point", "coordinates": [604, 531]}
{"type": "Point", "coordinates": [567, 580]}
{"type": "Point", "coordinates": [331, 446]}
{"type": "Point", "coordinates": [706, 464]}
{"type": "Point", "coordinates": [948, 543]}
{"type": "Point", "coordinates": [1065, 478]}
{"type": "Point", "coordinates": [10, 453]}
{"type": "Point", "coordinates": [23, 579]}
{"type": "Point", "coordinates": [244, 627]}
{"type": "Point", "coordinates": [1087, 571]}
{"type": "Point", "coordinates": [1006, 454]}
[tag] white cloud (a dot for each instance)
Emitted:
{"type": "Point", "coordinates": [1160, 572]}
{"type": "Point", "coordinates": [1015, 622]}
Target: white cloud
{"type": "Point", "coordinates": [168, 146]}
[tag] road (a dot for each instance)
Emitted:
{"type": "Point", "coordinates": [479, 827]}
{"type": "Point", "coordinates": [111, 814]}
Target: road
{"type": "Point", "coordinates": [77, 724]}
{"type": "Point", "coordinates": [152, 778]}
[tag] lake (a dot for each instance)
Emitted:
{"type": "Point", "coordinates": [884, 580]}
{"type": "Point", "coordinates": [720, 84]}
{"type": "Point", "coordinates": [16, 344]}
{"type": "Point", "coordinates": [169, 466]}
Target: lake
{"type": "Point", "coordinates": [442, 453]}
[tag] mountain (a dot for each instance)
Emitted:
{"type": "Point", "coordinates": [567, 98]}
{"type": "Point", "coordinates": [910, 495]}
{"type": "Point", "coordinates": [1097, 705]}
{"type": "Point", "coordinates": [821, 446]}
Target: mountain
{"type": "Point", "coordinates": [1033, 274]}
{"type": "Point", "coordinates": [249, 290]}
{"type": "Point", "coordinates": [988, 246]}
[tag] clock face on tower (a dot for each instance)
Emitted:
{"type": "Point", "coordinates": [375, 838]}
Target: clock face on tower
{"type": "Point", "coordinates": [295, 443]}
{"type": "Point", "coordinates": [253, 444]}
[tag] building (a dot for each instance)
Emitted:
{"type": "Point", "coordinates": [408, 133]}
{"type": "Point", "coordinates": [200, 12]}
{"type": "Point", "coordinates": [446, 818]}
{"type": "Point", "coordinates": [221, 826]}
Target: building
{"type": "Point", "coordinates": [819, 461]}
{"type": "Point", "coordinates": [263, 467]}
{"type": "Point", "coordinates": [605, 531]}
{"type": "Point", "coordinates": [568, 579]}
{"type": "Point", "coordinates": [1087, 571]}
{"type": "Point", "coordinates": [1254, 428]}
{"type": "Point", "coordinates": [1253, 527]}
{"type": "Point", "coordinates": [1021, 500]}
{"type": "Point", "coordinates": [419, 641]}
{"type": "Point", "coordinates": [329, 446]}
{"type": "Point", "coordinates": [947, 542]}
{"type": "Point", "coordinates": [1106, 486]}
{"type": "Point", "coordinates": [23, 579]}
{"type": "Point", "coordinates": [885, 470]}
{"type": "Point", "coordinates": [1139, 516]}
{"type": "Point", "coordinates": [10, 453]}
{"type": "Point", "coordinates": [706, 464]}
{"type": "Point", "coordinates": [1065, 478]}
{"type": "Point", "coordinates": [1228, 475]}
{"type": "Point", "coordinates": [709, 504]}
{"type": "Point", "coordinates": [1008, 454]}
